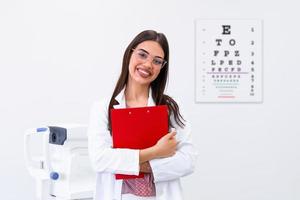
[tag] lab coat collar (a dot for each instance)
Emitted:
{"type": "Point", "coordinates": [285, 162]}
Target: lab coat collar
{"type": "Point", "coordinates": [122, 102]}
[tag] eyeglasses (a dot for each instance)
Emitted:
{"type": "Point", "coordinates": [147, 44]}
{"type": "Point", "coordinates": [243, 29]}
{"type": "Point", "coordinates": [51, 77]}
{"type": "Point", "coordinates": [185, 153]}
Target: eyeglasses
{"type": "Point", "coordinates": [143, 55]}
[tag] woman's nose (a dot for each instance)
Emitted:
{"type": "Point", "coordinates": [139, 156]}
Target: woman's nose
{"type": "Point", "coordinates": [148, 63]}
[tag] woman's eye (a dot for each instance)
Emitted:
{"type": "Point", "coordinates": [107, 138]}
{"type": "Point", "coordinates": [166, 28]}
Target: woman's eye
{"type": "Point", "coordinates": [143, 55]}
{"type": "Point", "coordinates": [157, 61]}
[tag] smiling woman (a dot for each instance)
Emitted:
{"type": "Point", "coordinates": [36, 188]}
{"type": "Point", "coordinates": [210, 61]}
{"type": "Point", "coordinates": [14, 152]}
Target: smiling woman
{"type": "Point", "coordinates": [142, 83]}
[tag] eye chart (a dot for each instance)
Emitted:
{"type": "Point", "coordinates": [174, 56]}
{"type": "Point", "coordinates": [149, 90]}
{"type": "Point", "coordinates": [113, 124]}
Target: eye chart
{"type": "Point", "coordinates": [228, 60]}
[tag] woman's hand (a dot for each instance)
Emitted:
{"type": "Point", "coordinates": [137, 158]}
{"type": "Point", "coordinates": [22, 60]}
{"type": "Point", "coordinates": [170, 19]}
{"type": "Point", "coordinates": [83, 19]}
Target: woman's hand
{"type": "Point", "coordinates": [145, 167]}
{"type": "Point", "coordinates": [166, 146]}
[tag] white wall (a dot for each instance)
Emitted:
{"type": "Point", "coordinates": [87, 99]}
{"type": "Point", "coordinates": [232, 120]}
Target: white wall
{"type": "Point", "coordinates": [56, 57]}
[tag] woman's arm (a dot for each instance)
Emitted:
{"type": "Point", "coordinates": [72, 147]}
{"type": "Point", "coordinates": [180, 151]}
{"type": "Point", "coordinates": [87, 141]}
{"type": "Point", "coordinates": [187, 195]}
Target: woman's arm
{"type": "Point", "coordinates": [103, 157]}
{"type": "Point", "coordinates": [165, 147]}
{"type": "Point", "coordinates": [180, 164]}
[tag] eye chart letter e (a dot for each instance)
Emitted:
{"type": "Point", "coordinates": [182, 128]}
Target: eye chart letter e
{"type": "Point", "coordinates": [228, 61]}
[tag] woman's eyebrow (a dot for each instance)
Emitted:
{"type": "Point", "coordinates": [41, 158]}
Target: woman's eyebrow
{"type": "Point", "coordinates": [149, 54]}
{"type": "Point", "coordinates": [144, 51]}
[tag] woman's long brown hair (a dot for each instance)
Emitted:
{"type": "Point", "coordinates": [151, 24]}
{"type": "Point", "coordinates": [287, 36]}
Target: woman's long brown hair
{"type": "Point", "coordinates": [157, 86]}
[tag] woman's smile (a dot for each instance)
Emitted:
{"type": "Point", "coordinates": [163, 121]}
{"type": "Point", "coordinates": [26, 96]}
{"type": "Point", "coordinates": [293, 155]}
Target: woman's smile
{"type": "Point", "coordinates": [144, 73]}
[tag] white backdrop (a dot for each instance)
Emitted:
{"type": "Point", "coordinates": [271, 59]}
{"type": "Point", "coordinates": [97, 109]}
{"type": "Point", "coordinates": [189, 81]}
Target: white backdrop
{"type": "Point", "coordinates": [58, 56]}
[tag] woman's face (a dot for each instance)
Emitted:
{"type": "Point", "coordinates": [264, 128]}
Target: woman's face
{"type": "Point", "coordinates": [145, 62]}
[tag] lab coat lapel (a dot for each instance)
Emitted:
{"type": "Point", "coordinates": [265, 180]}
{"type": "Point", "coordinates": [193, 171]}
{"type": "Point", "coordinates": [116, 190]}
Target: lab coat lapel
{"type": "Point", "coordinates": [120, 98]}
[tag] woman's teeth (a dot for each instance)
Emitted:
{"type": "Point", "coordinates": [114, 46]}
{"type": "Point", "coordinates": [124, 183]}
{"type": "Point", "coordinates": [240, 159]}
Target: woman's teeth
{"type": "Point", "coordinates": [143, 73]}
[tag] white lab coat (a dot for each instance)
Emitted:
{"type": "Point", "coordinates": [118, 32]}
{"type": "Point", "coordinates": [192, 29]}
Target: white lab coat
{"type": "Point", "coordinates": [107, 161]}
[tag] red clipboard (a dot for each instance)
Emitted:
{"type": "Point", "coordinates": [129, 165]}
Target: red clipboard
{"type": "Point", "coordinates": [138, 128]}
